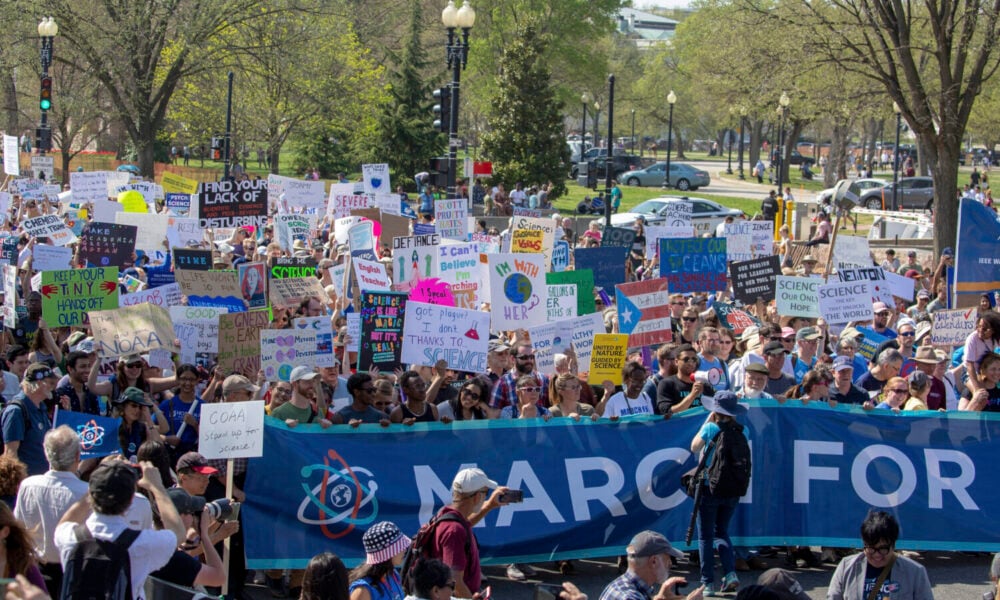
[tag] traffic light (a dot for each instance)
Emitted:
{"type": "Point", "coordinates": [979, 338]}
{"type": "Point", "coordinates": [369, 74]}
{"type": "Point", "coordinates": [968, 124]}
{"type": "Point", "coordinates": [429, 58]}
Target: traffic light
{"type": "Point", "coordinates": [43, 139]}
{"type": "Point", "coordinates": [442, 109]}
{"type": "Point", "coordinates": [45, 98]}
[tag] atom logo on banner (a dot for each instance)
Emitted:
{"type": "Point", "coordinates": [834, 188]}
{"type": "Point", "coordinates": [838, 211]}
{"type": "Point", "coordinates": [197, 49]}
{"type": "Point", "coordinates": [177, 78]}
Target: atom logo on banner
{"type": "Point", "coordinates": [91, 435]}
{"type": "Point", "coordinates": [346, 493]}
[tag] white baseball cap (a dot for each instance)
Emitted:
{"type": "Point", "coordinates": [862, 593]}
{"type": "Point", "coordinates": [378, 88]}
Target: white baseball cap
{"type": "Point", "coordinates": [302, 372]}
{"type": "Point", "coordinates": [472, 480]}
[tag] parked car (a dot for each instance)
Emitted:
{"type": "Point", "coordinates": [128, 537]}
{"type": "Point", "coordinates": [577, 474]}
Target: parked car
{"type": "Point", "coordinates": [683, 176]}
{"type": "Point", "coordinates": [796, 159]}
{"type": "Point", "coordinates": [915, 193]}
{"type": "Point", "coordinates": [705, 214]}
{"type": "Point", "coordinates": [864, 184]}
{"type": "Point", "coordinates": [598, 167]}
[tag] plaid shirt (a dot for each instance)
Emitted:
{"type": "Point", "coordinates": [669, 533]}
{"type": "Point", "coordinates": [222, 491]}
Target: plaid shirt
{"type": "Point", "coordinates": [627, 587]}
{"type": "Point", "coordinates": [505, 391]}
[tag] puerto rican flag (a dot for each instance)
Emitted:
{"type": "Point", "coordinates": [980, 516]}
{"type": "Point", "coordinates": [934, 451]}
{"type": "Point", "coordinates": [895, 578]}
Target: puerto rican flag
{"type": "Point", "coordinates": [644, 312]}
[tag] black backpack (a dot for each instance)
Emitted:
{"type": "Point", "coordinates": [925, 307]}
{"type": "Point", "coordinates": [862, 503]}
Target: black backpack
{"type": "Point", "coordinates": [421, 545]}
{"type": "Point", "coordinates": [99, 569]}
{"type": "Point", "coordinates": [729, 473]}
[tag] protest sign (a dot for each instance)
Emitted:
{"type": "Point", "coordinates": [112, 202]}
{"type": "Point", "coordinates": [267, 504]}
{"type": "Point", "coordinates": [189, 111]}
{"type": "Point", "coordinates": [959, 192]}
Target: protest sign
{"type": "Point", "coordinates": [11, 156]}
{"type": "Point", "coordinates": [281, 350]}
{"type": "Point", "coordinates": [549, 226]}
{"type": "Point", "coordinates": [382, 321]}
{"type": "Point", "coordinates": [8, 250]}
{"type": "Point", "coordinates": [584, 329]}
{"type": "Point", "coordinates": [456, 335]}
{"type": "Point", "coordinates": [163, 296]}
{"type": "Point", "coordinates": [361, 239]}
{"type": "Point", "coordinates": [607, 358]}
{"type": "Point", "coordinates": [747, 240]}
{"type": "Point", "coordinates": [343, 199]}
{"type": "Point", "coordinates": [211, 288]}
{"type": "Point", "coordinates": [151, 230]}
{"type": "Point", "coordinates": [192, 259]}
{"type": "Point", "coordinates": [533, 213]}
{"type": "Point", "coordinates": [253, 284]}
{"type": "Point", "coordinates": [677, 214]}
{"type": "Point", "coordinates": [289, 292]}
{"type": "Point", "coordinates": [49, 226]}
{"type": "Point", "coordinates": [851, 251]}
{"type": "Point", "coordinates": [876, 275]}
{"type": "Point", "coordinates": [239, 342]}
{"type": "Point", "coordinates": [414, 257]}
{"type": "Point", "coordinates": [106, 244]}
{"type": "Point", "coordinates": [376, 178]}
{"type": "Point", "coordinates": [290, 228]}
{"type": "Point", "coordinates": [734, 319]}
{"type": "Point", "coordinates": [583, 279]}
{"type": "Point", "coordinates": [231, 430]}
{"type": "Point", "coordinates": [459, 265]}
{"type": "Point", "coordinates": [798, 296]}
{"type": "Point", "coordinates": [232, 204]}
{"type": "Point", "coordinates": [560, 256]}
{"type": "Point", "coordinates": [43, 167]}
{"type": "Point", "coordinates": [562, 301]}
{"type": "Point", "coordinates": [28, 188]}
{"type": "Point", "coordinates": [755, 278]}
{"type": "Point", "coordinates": [487, 244]}
{"type": "Point", "coordinates": [96, 433]}
{"type": "Point", "coordinates": [184, 232]}
{"type": "Point", "coordinates": [371, 275]}
{"type": "Point", "coordinates": [901, 286]}
{"type": "Point", "coordinates": [177, 184]}
{"type": "Point", "coordinates": [289, 267]}
{"type": "Point", "coordinates": [424, 229]}
{"type": "Point", "coordinates": [952, 327]}
{"type": "Point", "coordinates": [694, 264]}
{"type": "Point", "coordinates": [197, 328]}
{"type": "Point", "coordinates": [617, 237]}
{"type": "Point", "coordinates": [89, 186]}
{"type": "Point", "coordinates": [451, 218]}
{"type": "Point", "coordinates": [547, 340]}
{"type": "Point", "coordinates": [51, 258]}
{"type": "Point", "coordinates": [131, 330]}
{"type": "Point", "coordinates": [352, 333]}
{"type": "Point", "coordinates": [10, 298]}
{"type": "Point", "coordinates": [869, 342]}
{"type": "Point", "coordinates": [322, 329]}
{"type": "Point", "coordinates": [296, 193]}
{"type": "Point", "coordinates": [67, 296]}
{"type": "Point", "coordinates": [517, 290]}
{"type": "Point", "coordinates": [644, 312]}
{"type": "Point", "coordinates": [846, 302]}
{"type": "Point", "coordinates": [607, 264]}
{"type": "Point", "coordinates": [432, 291]}
{"type": "Point", "coordinates": [528, 241]}
{"type": "Point", "coordinates": [105, 211]}
{"type": "Point", "coordinates": [178, 204]}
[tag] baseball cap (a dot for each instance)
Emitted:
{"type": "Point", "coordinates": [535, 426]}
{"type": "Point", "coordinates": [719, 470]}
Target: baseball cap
{"type": "Point", "coordinates": [756, 367]}
{"type": "Point", "coordinates": [471, 480]}
{"type": "Point", "coordinates": [807, 333]}
{"type": "Point", "coordinates": [911, 253]}
{"type": "Point", "coordinates": [784, 583]}
{"type": "Point", "coordinates": [774, 348]}
{"type": "Point", "coordinates": [302, 372]}
{"type": "Point", "coordinates": [113, 482]}
{"type": "Point", "coordinates": [75, 338]}
{"type": "Point", "coordinates": [235, 383]}
{"type": "Point", "coordinates": [196, 462]}
{"type": "Point", "coordinates": [185, 503]}
{"type": "Point", "coordinates": [842, 362]}
{"type": "Point", "coordinates": [879, 307]}
{"type": "Point", "coordinates": [923, 294]}
{"type": "Point", "coordinates": [134, 395]}
{"type": "Point", "coordinates": [948, 252]}
{"type": "Point", "coordinates": [38, 372]}
{"type": "Point", "coordinates": [749, 333]}
{"type": "Point", "coordinates": [650, 543]}
{"type": "Point", "coordinates": [923, 328]}
{"type": "Point", "coordinates": [914, 274]}
{"type": "Point", "coordinates": [787, 332]}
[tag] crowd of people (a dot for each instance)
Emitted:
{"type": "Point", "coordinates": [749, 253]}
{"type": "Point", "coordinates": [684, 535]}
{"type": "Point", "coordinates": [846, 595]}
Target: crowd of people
{"type": "Point", "coordinates": [177, 500]}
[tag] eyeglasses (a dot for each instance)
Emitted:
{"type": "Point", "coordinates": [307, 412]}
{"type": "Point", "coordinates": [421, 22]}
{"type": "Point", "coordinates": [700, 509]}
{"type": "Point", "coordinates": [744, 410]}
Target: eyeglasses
{"type": "Point", "coordinates": [526, 357]}
{"type": "Point", "coordinates": [688, 359]}
{"type": "Point", "coordinates": [134, 365]}
{"type": "Point", "coordinates": [907, 333]}
{"type": "Point", "coordinates": [884, 313]}
{"type": "Point", "coordinates": [679, 303]}
{"type": "Point", "coordinates": [690, 319]}
{"type": "Point", "coordinates": [727, 342]}
{"type": "Point", "coordinates": [471, 394]}
{"type": "Point", "coordinates": [883, 550]}
{"type": "Point", "coordinates": [530, 390]}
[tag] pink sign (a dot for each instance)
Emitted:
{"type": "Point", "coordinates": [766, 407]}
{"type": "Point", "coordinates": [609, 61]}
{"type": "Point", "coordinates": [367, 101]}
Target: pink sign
{"type": "Point", "coordinates": [432, 291]}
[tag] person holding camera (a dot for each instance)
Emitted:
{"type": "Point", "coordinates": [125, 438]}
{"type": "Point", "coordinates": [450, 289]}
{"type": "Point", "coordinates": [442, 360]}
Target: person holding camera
{"type": "Point", "coordinates": [184, 568]}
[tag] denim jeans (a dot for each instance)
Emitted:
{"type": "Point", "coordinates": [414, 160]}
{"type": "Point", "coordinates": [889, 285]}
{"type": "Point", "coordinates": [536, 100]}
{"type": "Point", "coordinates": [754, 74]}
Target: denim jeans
{"type": "Point", "coordinates": [714, 515]}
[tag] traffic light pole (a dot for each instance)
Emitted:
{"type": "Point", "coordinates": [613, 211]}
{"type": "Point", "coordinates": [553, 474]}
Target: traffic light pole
{"type": "Point", "coordinates": [458, 54]}
{"type": "Point", "coordinates": [43, 136]}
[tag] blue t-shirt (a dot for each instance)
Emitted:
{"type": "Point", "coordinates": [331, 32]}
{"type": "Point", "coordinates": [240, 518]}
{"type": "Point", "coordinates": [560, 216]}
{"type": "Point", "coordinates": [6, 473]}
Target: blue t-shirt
{"type": "Point", "coordinates": [31, 450]}
{"type": "Point", "coordinates": [174, 410]}
{"type": "Point", "coordinates": [718, 374]}
{"type": "Point", "coordinates": [801, 368]}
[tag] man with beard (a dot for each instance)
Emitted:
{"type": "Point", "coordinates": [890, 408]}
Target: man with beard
{"type": "Point", "coordinates": [301, 409]}
{"type": "Point", "coordinates": [680, 392]}
{"type": "Point", "coordinates": [650, 556]}
{"type": "Point", "coordinates": [505, 391]}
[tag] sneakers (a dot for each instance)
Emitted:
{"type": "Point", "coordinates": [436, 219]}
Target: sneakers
{"type": "Point", "coordinates": [730, 583]}
{"type": "Point", "coordinates": [710, 591]}
{"type": "Point", "coordinates": [516, 572]}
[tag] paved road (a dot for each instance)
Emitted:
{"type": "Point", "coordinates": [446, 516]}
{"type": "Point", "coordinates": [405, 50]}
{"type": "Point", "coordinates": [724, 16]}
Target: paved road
{"type": "Point", "coordinates": [736, 188]}
{"type": "Point", "coordinates": [954, 576]}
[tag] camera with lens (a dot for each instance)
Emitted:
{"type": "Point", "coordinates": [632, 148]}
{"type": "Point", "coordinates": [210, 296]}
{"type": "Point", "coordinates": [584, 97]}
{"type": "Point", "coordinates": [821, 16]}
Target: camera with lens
{"type": "Point", "coordinates": [223, 509]}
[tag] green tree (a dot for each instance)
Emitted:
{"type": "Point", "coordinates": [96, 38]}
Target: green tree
{"type": "Point", "coordinates": [405, 137]}
{"type": "Point", "coordinates": [526, 139]}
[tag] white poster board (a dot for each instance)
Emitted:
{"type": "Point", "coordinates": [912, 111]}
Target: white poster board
{"type": "Point", "coordinates": [846, 302]}
{"type": "Point", "coordinates": [232, 430]}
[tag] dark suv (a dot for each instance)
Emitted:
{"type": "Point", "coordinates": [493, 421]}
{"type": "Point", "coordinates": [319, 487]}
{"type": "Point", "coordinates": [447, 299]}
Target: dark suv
{"type": "Point", "coordinates": [598, 167]}
{"type": "Point", "coordinates": [796, 158]}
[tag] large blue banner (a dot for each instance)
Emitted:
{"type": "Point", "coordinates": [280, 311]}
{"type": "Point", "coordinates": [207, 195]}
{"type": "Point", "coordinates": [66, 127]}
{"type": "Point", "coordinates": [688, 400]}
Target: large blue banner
{"type": "Point", "coordinates": [977, 266]}
{"type": "Point", "coordinates": [589, 487]}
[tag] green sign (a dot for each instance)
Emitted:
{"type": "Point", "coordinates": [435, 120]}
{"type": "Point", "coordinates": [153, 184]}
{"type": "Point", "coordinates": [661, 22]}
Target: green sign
{"type": "Point", "coordinates": [583, 279]}
{"type": "Point", "coordinates": [67, 296]}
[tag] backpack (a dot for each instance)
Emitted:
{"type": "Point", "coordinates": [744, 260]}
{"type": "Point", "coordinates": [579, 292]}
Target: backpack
{"type": "Point", "coordinates": [421, 545]}
{"type": "Point", "coordinates": [729, 473]}
{"type": "Point", "coordinates": [99, 569]}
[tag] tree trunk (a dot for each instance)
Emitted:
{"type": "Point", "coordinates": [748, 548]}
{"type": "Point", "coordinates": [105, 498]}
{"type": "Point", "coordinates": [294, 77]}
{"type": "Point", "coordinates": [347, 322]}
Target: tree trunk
{"type": "Point", "coordinates": [275, 153]}
{"type": "Point", "coordinates": [788, 144]}
{"type": "Point", "coordinates": [835, 157]}
{"type": "Point", "coordinates": [679, 146]}
{"type": "Point", "coordinates": [10, 103]}
{"type": "Point", "coordinates": [753, 151]}
{"type": "Point", "coordinates": [945, 173]}
{"type": "Point", "coordinates": [144, 151]}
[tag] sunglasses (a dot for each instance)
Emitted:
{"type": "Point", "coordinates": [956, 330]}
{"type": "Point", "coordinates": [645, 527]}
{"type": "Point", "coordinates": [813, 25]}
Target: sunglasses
{"type": "Point", "coordinates": [530, 390]}
{"type": "Point", "coordinates": [526, 356]}
{"type": "Point", "coordinates": [688, 359]}
{"type": "Point", "coordinates": [471, 394]}
{"type": "Point", "coordinates": [900, 391]}
{"type": "Point", "coordinates": [133, 365]}
{"type": "Point", "coordinates": [908, 333]}
{"type": "Point", "coordinates": [690, 319]}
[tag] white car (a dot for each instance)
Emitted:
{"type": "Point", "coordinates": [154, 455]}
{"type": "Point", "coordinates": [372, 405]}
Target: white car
{"type": "Point", "coordinates": [865, 184]}
{"type": "Point", "coordinates": [705, 214]}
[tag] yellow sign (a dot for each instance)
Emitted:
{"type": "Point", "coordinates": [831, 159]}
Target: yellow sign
{"type": "Point", "coordinates": [133, 202]}
{"type": "Point", "coordinates": [527, 240]}
{"type": "Point", "coordinates": [174, 183]}
{"type": "Point", "coordinates": [607, 358]}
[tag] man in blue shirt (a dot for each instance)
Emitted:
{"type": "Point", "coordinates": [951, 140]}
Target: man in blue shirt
{"type": "Point", "coordinates": [650, 557]}
{"type": "Point", "coordinates": [24, 420]}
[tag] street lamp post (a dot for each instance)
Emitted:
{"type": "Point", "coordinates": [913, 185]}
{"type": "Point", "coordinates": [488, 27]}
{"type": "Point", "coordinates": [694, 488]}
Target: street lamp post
{"type": "Point", "coordinates": [743, 117]}
{"type": "Point", "coordinates": [633, 132]}
{"type": "Point", "coordinates": [597, 124]}
{"type": "Point", "coordinates": [895, 162]}
{"type": "Point", "coordinates": [457, 54]}
{"type": "Point", "coordinates": [783, 103]}
{"type": "Point", "coordinates": [609, 166]}
{"type": "Point", "coordinates": [585, 99]}
{"type": "Point", "coordinates": [729, 136]}
{"type": "Point", "coordinates": [671, 100]}
{"type": "Point", "coordinates": [47, 31]}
